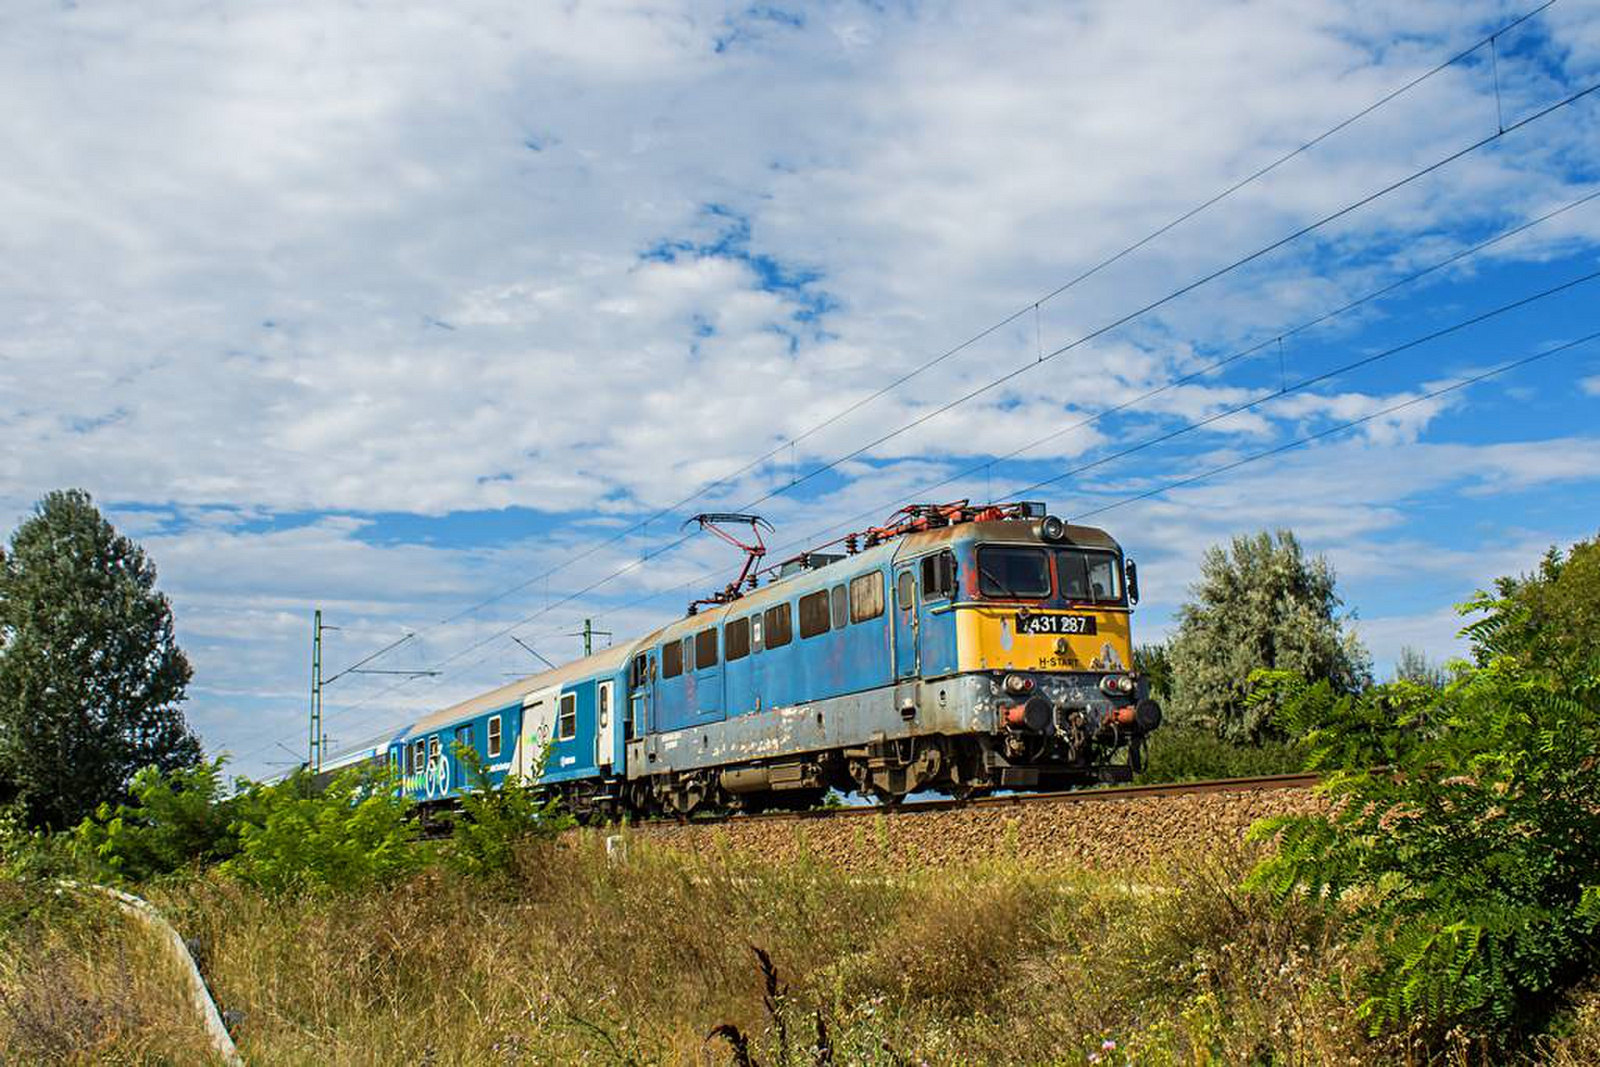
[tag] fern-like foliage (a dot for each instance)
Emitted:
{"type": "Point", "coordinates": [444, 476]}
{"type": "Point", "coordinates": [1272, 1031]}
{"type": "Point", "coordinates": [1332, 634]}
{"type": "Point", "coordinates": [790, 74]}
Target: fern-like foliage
{"type": "Point", "coordinates": [1467, 849]}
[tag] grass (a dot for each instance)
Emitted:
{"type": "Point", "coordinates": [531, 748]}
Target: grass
{"type": "Point", "coordinates": [652, 959]}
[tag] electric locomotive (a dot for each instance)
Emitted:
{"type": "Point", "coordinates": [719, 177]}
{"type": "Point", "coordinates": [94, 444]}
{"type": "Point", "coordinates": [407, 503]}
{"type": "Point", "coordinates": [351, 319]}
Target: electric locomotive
{"type": "Point", "coordinates": [957, 649]}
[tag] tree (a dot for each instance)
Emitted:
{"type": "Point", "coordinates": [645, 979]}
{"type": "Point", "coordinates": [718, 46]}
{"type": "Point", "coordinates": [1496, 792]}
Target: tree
{"type": "Point", "coordinates": [1260, 606]}
{"type": "Point", "coordinates": [1414, 666]}
{"type": "Point", "coordinates": [91, 675]}
{"type": "Point", "coordinates": [1462, 837]}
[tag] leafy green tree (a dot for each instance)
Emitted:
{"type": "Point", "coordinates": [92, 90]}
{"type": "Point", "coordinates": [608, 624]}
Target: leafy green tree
{"type": "Point", "coordinates": [1258, 605]}
{"type": "Point", "coordinates": [90, 673]}
{"type": "Point", "coordinates": [1413, 665]}
{"type": "Point", "coordinates": [1465, 843]}
{"type": "Point", "coordinates": [1552, 616]}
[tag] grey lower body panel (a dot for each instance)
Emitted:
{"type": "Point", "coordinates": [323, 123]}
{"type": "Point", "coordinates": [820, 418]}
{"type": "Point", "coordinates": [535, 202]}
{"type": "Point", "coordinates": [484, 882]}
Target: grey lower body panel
{"type": "Point", "coordinates": [948, 706]}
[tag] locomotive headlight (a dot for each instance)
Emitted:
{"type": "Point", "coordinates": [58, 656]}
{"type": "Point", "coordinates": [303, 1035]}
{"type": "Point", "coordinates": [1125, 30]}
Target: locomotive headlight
{"type": "Point", "coordinates": [1052, 528]}
{"type": "Point", "coordinates": [1118, 684]}
{"type": "Point", "coordinates": [1017, 684]}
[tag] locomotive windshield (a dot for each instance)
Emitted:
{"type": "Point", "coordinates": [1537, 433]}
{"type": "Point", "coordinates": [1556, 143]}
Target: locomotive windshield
{"type": "Point", "coordinates": [1023, 573]}
{"type": "Point", "coordinates": [1089, 575]}
{"type": "Point", "coordinates": [1013, 572]}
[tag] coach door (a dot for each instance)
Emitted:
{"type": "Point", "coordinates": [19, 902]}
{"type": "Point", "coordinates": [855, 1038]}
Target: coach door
{"type": "Point", "coordinates": [606, 725]}
{"type": "Point", "coordinates": [538, 727]}
{"type": "Point", "coordinates": [905, 621]}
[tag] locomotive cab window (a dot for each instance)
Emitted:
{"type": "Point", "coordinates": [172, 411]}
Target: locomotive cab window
{"type": "Point", "coordinates": [866, 596]}
{"type": "Point", "coordinates": [1013, 573]}
{"type": "Point", "coordinates": [777, 627]}
{"type": "Point", "coordinates": [567, 728]}
{"type": "Point", "coordinates": [494, 736]}
{"type": "Point", "coordinates": [705, 649]}
{"type": "Point", "coordinates": [671, 659]}
{"type": "Point", "coordinates": [938, 576]}
{"type": "Point", "coordinates": [1092, 576]}
{"type": "Point", "coordinates": [814, 613]}
{"type": "Point", "coordinates": [737, 638]}
{"type": "Point", "coordinates": [841, 607]}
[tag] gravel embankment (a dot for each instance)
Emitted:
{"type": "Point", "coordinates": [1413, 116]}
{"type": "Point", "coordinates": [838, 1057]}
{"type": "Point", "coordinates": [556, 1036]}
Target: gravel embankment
{"type": "Point", "coordinates": [1105, 834]}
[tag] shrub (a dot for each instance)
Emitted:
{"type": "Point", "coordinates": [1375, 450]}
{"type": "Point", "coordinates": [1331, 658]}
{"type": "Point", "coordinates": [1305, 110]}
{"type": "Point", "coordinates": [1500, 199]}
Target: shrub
{"type": "Point", "coordinates": [1469, 855]}
{"type": "Point", "coordinates": [177, 819]}
{"type": "Point", "coordinates": [356, 833]}
{"type": "Point", "coordinates": [494, 822]}
{"type": "Point", "coordinates": [1186, 753]}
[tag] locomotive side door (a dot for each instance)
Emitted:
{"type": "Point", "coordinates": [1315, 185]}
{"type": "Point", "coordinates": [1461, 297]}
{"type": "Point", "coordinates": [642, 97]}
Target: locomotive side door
{"type": "Point", "coordinates": [905, 621]}
{"type": "Point", "coordinates": [605, 725]}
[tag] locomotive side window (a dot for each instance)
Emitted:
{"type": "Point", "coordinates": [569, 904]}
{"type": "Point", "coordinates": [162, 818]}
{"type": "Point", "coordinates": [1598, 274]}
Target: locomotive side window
{"type": "Point", "coordinates": [494, 736]}
{"type": "Point", "coordinates": [737, 639]}
{"type": "Point", "coordinates": [705, 649]}
{"type": "Point", "coordinates": [640, 671]}
{"type": "Point", "coordinates": [938, 576]}
{"type": "Point", "coordinates": [1013, 572]}
{"type": "Point", "coordinates": [567, 728]}
{"type": "Point", "coordinates": [779, 630]}
{"type": "Point", "coordinates": [841, 607]}
{"type": "Point", "coordinates": [814, 613]}
{"type": "Point", "coordinates": [755, 631]}
{"type": "Point", "coordinates": [866, 596]}
{"type": "Point", "coordinates": [671, 659]}
{"type": "Point", "coordinates": [1088, 575]}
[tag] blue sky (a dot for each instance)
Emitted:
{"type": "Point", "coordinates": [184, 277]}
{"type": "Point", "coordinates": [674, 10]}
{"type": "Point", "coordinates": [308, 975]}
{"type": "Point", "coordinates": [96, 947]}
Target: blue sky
{"type": "Point", "coordinates": [414, 317]}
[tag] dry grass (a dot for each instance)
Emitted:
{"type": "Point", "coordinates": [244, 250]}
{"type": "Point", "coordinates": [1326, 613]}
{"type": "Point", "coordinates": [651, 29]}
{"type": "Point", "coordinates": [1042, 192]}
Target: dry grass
{"type": "Point", "coordinates": [581, 959]}
{"type": "Point", "coordinates": [80, 983]}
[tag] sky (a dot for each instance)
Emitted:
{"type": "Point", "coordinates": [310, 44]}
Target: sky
{"type": "Point", "coordinates": [444, 318]}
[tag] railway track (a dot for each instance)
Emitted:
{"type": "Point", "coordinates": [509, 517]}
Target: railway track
{"type": "Point", "coordinates": [1259, 783]}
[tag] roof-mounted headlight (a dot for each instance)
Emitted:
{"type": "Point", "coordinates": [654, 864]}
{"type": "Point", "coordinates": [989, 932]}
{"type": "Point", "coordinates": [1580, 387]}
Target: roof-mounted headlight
{"type": "Point", "coordinates": [1052, 528]}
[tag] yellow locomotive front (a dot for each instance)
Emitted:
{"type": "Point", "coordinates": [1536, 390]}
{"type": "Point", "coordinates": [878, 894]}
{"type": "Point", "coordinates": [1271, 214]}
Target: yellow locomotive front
{"type": "Point", "coordinates": [1042, 613]}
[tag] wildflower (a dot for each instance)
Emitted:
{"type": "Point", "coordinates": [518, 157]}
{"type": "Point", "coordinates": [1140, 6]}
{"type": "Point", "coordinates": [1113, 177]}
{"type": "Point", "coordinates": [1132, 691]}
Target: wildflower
{"type": "Point", "coordinates": [1107, 1045]}
{"type": "Point", "coordinates": [1094, 1057]}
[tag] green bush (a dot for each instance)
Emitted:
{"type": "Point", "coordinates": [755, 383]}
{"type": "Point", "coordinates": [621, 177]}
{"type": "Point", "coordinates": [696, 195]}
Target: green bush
{"type": "Point", "coordinates": [356, 833]}
{"type": "Point", "coordinates": [495, 821]}
{"type": "Point", "coordinates": [1464, 839]}
{"type": "Point", "coordinates": [1188, 753]}
{"type": "Point", "coordinates": [177, 820]}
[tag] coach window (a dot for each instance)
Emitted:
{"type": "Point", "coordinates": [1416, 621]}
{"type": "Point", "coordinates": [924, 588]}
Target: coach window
{"type": "Point", "coordinates": [777, 626]}
{"type": "Point", "coordinates": [433, 748]}
{"type": "Point", "coordinates": [737, 640]}
{"type": "Point", "coordinates": [755, 632]}
{"type": "Point", "coordinates": [938, 576]}
{"type": "Point", "coordinates": [814, 613]}
{"type": "Point", "coordinates": [567, 728]}
{"type": "Point", "coordinates": [419, 749]}
{"type": "Point", "coordinates": [671, 659]}
{"type": "Point", "coordinates": [464, 735]}
{"type": "Point", "coordinates": [841, 607]}
{"type": "Point", "coordinates": [866, 596]}
{"type": "Point", "coordinates": [494, 736]}
{"type": "Point", "coordinates": [705, 649]}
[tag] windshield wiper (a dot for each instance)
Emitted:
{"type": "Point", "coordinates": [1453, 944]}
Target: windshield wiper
{"type": "Point", "coordinates": [1005, 590]}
